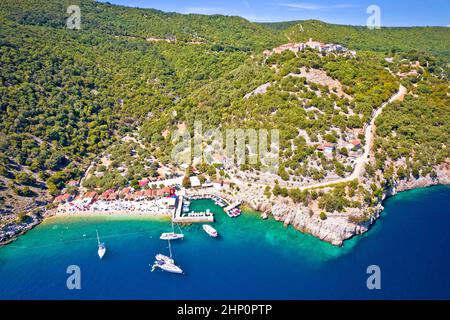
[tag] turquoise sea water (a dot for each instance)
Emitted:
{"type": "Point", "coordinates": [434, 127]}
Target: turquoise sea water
{"type": "Point", "coordinates": [251, 259]}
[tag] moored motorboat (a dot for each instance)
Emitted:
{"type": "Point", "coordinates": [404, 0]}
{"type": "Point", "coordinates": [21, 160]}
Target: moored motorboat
{"type": "Point", "coordinates": [210, 230]}
{"type": "Point", "coordinates": [235, 212]}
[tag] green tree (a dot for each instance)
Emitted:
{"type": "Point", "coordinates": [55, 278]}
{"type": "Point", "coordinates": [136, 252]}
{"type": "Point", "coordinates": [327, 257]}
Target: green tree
{"type": "Point", "coordinates": [186, 183]}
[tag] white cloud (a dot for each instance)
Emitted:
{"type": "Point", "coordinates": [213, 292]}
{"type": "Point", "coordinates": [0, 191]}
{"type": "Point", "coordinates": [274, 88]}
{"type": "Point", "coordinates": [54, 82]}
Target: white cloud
{"type": "Point", "coordinates": [314, 6]}
{"type": "Point", "coordinates": [203, 10]}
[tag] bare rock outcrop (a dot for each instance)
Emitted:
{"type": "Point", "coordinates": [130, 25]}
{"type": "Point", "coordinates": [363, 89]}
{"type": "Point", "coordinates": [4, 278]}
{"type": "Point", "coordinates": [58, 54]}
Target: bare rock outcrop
{"type": "Point", "coordinates": [335, 229]}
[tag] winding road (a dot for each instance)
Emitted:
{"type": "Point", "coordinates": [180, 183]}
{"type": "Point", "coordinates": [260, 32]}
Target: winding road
{"type": "Point", "coordinates": [361, 160]}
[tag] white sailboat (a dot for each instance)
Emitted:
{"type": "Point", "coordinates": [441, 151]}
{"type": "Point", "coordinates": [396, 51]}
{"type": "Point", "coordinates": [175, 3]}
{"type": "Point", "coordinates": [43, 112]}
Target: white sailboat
{"type": "Point", "coordinates": [161, 257]}
{"type": "Point", "coordinates": [166, 263]}
{"type": "Point", "coordinates": [169, 267]}
{"type": "Point", "coordinates": [171, 235]}
{"type": "Point", "coordinates": [101, 247]}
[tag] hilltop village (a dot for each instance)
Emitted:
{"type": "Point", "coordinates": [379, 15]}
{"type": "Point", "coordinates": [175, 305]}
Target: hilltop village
{"type": "Point", "coordinates": [315, 45]}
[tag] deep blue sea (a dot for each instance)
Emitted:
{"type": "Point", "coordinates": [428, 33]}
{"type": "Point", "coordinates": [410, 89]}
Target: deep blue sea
{"type": "Point", "coordinates": [252, 258]}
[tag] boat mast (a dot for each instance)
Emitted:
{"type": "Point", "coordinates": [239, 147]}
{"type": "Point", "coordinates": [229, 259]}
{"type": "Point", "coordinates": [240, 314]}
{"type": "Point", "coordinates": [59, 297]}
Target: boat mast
{"type": "Point", "coordinates": [170, 249]}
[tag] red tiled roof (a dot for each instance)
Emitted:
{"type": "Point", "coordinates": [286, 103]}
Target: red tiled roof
{"type": "Point", "coordinates": [107, 193]}
{"type": "Point", "coordinates": [126, 190]}
{"type": "Point", "coordinates": [355, 142]}
{"type": "Point", "coordinates": [90, 194]}
{"type": "Point", "coordinates": [325, 145]}
{"type": "Point", "coordinates": [63, 197]}
{"type": "Point", "coordinates": [143, 182]}
{"type": "Point", "coordinates": [112, 196]}
{"type": "Point", "coordinates": [72, 183]}
{"type": "Point", "coordinates": [168, 190]}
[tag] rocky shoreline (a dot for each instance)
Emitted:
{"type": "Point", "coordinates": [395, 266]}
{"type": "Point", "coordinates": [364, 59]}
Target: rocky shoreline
{"type": "Point", "coordinates": [335, 229]}
{"type": "Point", "coordinates": [12, 230]}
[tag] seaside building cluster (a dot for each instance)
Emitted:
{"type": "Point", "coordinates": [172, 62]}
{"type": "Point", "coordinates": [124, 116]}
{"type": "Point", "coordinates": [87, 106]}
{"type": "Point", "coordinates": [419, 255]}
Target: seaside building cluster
{"type": "Point", "coordinates": [127, 193]}
{"type": "Point", "coordinates": [149, 201]}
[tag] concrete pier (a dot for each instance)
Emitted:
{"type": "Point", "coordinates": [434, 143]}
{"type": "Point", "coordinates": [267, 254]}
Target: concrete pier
{"type": "Point", "coordinates": [190, 217]}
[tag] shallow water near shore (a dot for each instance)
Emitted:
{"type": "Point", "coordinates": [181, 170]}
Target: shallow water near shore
{"type": "Point", "coordinates": [251, 258]}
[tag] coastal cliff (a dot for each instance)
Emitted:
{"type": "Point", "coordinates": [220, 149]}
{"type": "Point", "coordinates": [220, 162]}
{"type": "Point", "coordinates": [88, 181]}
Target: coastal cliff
{"type": "Point", "coordinates": [442, 177]}
{"type": "Point", "coordinates": [337, 227]}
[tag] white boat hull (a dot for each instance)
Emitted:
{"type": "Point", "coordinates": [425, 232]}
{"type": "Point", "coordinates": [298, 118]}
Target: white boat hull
{"type": "Point", "coordinates": [168, 267]}
{"type": "Point", "coordinates": [166, 259]}
{"type": "Point", "coordinates": [101, 252]}
{"type": "Point", "coordinates": [210, 230]}
{"type": "Point", "coordinates": [171, 236]}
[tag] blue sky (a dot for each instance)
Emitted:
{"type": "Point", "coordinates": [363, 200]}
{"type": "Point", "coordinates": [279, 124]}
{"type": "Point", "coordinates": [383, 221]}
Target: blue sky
{"type": "Point", "coordinates": [393, 12]}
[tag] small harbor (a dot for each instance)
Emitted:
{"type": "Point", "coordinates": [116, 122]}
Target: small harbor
{"type": "Point", "coordinates": [184, 214]}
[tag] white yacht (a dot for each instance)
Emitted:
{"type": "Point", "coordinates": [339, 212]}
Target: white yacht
{"type": "Point", "coordinates": [163, 258]}
{"type": "Point", "coordinates": [210, 230]}
{"type": "Point", "coordinates": [101, 247]}
{"type": "Point", "coordinates": [169, 267]}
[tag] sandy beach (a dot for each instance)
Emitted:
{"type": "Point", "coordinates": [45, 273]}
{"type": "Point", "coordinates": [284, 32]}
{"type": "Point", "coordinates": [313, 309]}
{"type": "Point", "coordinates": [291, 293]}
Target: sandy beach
{"type": "Point", "coordinates": [95, 213]}
{"type": "Point", "coordinates": [152, 208]}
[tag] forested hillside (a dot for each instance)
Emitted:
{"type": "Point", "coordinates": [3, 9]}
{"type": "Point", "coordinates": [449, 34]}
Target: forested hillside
{"type": "Point", "coordinates": [230, 33]}
{"type": "Point", "coordinates": [66, 95]}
